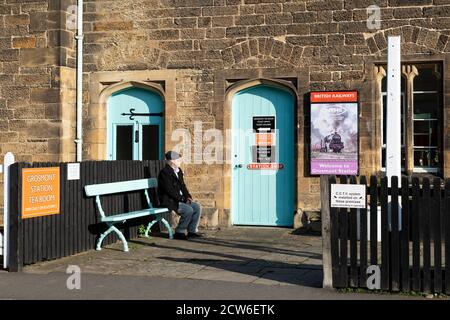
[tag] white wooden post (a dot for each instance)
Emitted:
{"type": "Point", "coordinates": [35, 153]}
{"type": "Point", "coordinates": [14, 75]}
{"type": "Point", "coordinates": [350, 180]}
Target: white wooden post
{"type": "Point", "coordinates": [326, 232]}
{"type": "Point", "coordinates": [393, 113]}
{"type": "Point", "coordinates": [8, 160]}
{"type": "Point", "coordinates": [394, 121]}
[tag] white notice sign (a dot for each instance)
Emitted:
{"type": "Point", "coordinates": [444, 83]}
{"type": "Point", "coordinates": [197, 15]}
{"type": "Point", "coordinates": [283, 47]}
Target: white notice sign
{"type": "Point", "coordinates": [348, 196]}
{"type": "Point", "coordinates": [73, 171]}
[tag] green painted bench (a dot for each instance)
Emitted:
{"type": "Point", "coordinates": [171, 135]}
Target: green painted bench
{"type": "Point", "coordinates": [98, 190]}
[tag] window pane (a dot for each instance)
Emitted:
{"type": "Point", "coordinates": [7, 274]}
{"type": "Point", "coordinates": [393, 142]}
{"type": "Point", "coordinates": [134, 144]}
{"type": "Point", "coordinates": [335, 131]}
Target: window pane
{"type": "Point", "coordinates": [427, 80]}
{"type": "Point", "coordinates": [426, 106]}
{"type": "Point", "coordinates": [426, 158]}
{"type": "Point", "coordinates": [150, 142]}
{"type": "Point", "coordinates": [425, 133]}
{"type": "Point", "coordinates": [124, 143]}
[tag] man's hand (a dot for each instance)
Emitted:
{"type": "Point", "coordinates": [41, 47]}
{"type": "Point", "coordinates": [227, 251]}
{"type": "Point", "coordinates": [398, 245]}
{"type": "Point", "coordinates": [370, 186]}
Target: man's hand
{"type": "Point", "coordinates": [189, 200]}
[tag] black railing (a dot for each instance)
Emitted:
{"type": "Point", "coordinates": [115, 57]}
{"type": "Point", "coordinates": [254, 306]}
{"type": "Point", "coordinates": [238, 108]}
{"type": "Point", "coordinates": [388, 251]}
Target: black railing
{"type": "Point", "coordinates": [413, 253]}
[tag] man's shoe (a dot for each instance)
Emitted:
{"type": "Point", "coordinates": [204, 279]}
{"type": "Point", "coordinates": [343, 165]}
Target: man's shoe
{"type": "Point", "coordinates": [195, 235]}
{"type": "Point", "coordinates": [180, 236]}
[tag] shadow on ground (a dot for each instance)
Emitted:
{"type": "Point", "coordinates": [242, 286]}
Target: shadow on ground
{"type": "Point", "coordinates": [288, 266]}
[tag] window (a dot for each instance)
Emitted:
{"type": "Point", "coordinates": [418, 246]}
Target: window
{"type": "Point", "coordinates": [421, 117]}
{"type": "Point", "coordinates": [427, 119]}
{"type": "Point", "coordinates": [124, 145]}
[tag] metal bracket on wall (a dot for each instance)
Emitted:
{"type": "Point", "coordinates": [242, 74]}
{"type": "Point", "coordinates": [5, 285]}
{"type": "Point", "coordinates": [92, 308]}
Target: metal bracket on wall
{"type": "Point", "coordinates": [133, 114]}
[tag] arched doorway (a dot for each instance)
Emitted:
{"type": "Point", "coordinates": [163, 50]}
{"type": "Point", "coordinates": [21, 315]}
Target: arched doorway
{"type": "Point", "coordinates": [135, 125]}
{"type": "Point", "coordinates": [263, 158]}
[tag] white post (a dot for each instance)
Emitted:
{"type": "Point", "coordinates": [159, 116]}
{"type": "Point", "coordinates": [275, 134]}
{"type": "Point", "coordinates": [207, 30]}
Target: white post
{"type": "Point", "coordinates": [8, 160]}
{"type": "Point", "coordinates": [393, 114]}
{"type": "Point", "coordinates": [394, 121]}
{"type": "Point", "coordinates": [79, 37]}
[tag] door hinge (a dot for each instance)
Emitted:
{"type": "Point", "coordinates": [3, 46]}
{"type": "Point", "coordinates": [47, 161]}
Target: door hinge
{"type": "Point", "coordinates": [136, 136]}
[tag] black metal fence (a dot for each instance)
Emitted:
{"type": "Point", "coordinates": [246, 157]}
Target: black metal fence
{"type": "Point", "coordinates": [77, 226]}
{"type": "Point", "coordinates": [414, 251]}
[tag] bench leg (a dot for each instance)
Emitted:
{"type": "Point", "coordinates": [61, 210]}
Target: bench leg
{"type": "Point", "coordinates": [150, 226]}
{"type": "Point", "coordinates": [103, 236]}
{"type": "Point", "coordinates": [122, 237]}
{"type": "Point", "coordinates": [120, 234]}
{"type": "Point", "coordinates": [164, 221]}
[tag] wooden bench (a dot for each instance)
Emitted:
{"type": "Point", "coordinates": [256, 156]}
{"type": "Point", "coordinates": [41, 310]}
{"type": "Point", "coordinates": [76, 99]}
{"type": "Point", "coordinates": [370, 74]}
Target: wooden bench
{"type": "Point", "coordinates": [98, 190]}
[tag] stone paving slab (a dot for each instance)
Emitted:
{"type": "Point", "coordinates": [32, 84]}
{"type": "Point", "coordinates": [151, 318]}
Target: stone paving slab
{"type": "Point", "coordinates": [271, 256]}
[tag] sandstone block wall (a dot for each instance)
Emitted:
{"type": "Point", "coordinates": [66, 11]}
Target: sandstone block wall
{"type": "Point", "coordinates": [36, 71]}
{"type": "Point", "coordinates": [208, 45]}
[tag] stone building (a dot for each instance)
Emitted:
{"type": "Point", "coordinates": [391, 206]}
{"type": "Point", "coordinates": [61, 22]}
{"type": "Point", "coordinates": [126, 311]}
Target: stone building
{"type": "Point", "coordinates": [187, 60]}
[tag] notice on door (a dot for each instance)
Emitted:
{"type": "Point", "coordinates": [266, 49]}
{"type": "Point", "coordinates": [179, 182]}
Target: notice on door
{"type": "Point", "coordinates": [348, 196]}
{"type": "Point", "coordinates": [40, 192]}
{"type": "Point", "coordinates": [263, 124]}
{"type": "Point", "coordinates": [264, 150]}
{"type": "Point", "coordinates": [263, 154]}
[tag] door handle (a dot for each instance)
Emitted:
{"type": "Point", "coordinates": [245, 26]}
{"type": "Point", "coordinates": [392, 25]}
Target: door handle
{"type": "Point", "coordinates": [238, 166]}
{"type": "Point", "coordinates": [136, 136]}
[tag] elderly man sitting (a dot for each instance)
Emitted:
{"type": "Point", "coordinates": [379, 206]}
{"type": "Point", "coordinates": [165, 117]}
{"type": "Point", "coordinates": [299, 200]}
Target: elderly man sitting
{"type": "Point", "coordinates": [173, 194]}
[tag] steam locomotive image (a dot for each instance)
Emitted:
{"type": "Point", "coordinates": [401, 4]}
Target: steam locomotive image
{"type": "Point", "coordinates": [332, 142]}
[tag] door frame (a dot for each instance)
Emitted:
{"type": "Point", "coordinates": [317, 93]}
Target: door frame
{"type": "Point", "coordinates": [228, 104]}
{"type": "Point", "coordinates": [116, 89]}
{"type": "Point", "coordinates": [105, 83]}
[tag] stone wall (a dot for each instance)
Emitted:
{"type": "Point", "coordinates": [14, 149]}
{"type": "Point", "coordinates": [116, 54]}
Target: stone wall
{"type": "Point", "coordinates": [208, 45]}
{"type": "Point", "coordinates": [34, 48]}
{"type": "Point", "coordinates": [36, 71]}
{"type": "Point", "coordinates": [325, 44]}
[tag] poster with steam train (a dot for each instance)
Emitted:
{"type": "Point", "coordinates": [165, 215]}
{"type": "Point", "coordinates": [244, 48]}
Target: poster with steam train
{"type": "Point", "coordinates": [334, 133]}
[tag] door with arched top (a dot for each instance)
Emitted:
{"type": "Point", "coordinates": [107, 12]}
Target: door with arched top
{"type": "Point", "coordinates": [135, 129]}
{"type": "Point", "coordinates": [263, 173]}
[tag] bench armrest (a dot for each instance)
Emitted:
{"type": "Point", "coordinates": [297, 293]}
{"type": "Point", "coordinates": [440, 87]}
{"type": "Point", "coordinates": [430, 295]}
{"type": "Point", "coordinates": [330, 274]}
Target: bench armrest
{"type": "Point", "coordinates": [99, 206]}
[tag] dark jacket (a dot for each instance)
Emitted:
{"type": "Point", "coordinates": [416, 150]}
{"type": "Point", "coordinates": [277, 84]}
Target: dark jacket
{"type": "Point", "coordinates": [169, 187]}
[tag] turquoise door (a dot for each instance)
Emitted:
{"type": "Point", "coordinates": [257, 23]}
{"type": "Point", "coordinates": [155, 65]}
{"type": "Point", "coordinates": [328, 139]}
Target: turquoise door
{"type": "Point", "coordinates": [263, 157]}
{"type": "Point", "coordinates": [135, 125]}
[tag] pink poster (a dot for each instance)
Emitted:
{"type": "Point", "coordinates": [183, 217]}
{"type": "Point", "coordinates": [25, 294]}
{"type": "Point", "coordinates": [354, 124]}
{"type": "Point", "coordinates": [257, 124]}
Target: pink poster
{"type": "Point", "coordinates": [334, 133]}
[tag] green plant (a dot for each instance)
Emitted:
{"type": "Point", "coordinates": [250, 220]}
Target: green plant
{"type": "Point", "coordinates": [141, 230]}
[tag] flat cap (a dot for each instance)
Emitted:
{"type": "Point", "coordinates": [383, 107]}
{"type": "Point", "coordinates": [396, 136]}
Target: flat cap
{"type": "Point", "coordinates": [172, 155]}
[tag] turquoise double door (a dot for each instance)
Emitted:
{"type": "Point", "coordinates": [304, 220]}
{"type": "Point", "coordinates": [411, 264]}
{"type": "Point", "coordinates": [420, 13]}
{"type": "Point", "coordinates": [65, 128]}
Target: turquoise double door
{"type": "Point", "coordinates": [135, 129]}
{"type": "Point", "coordinates": [263, 159]}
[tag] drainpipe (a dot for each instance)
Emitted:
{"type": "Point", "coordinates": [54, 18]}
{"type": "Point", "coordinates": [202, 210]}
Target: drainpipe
{"type": "Point", "coordinates": [79, 38]}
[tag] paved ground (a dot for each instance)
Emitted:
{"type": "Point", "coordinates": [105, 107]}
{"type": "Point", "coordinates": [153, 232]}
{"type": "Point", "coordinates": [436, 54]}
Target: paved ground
{"type": "Point", "coordinates": [247, 255]}
{"type": "Point", "coordinates": [237, 263]}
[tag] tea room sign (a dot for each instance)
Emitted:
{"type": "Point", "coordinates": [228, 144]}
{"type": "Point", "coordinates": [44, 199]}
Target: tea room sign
{"type": "Point", "coordinates": [40, 192]}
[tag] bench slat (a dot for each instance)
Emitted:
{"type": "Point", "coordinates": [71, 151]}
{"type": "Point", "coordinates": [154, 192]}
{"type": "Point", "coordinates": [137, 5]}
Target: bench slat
{"type": "Point", "coordinates": [134, 214]}
{"type": "Point", "coordinates": [117, 187]}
